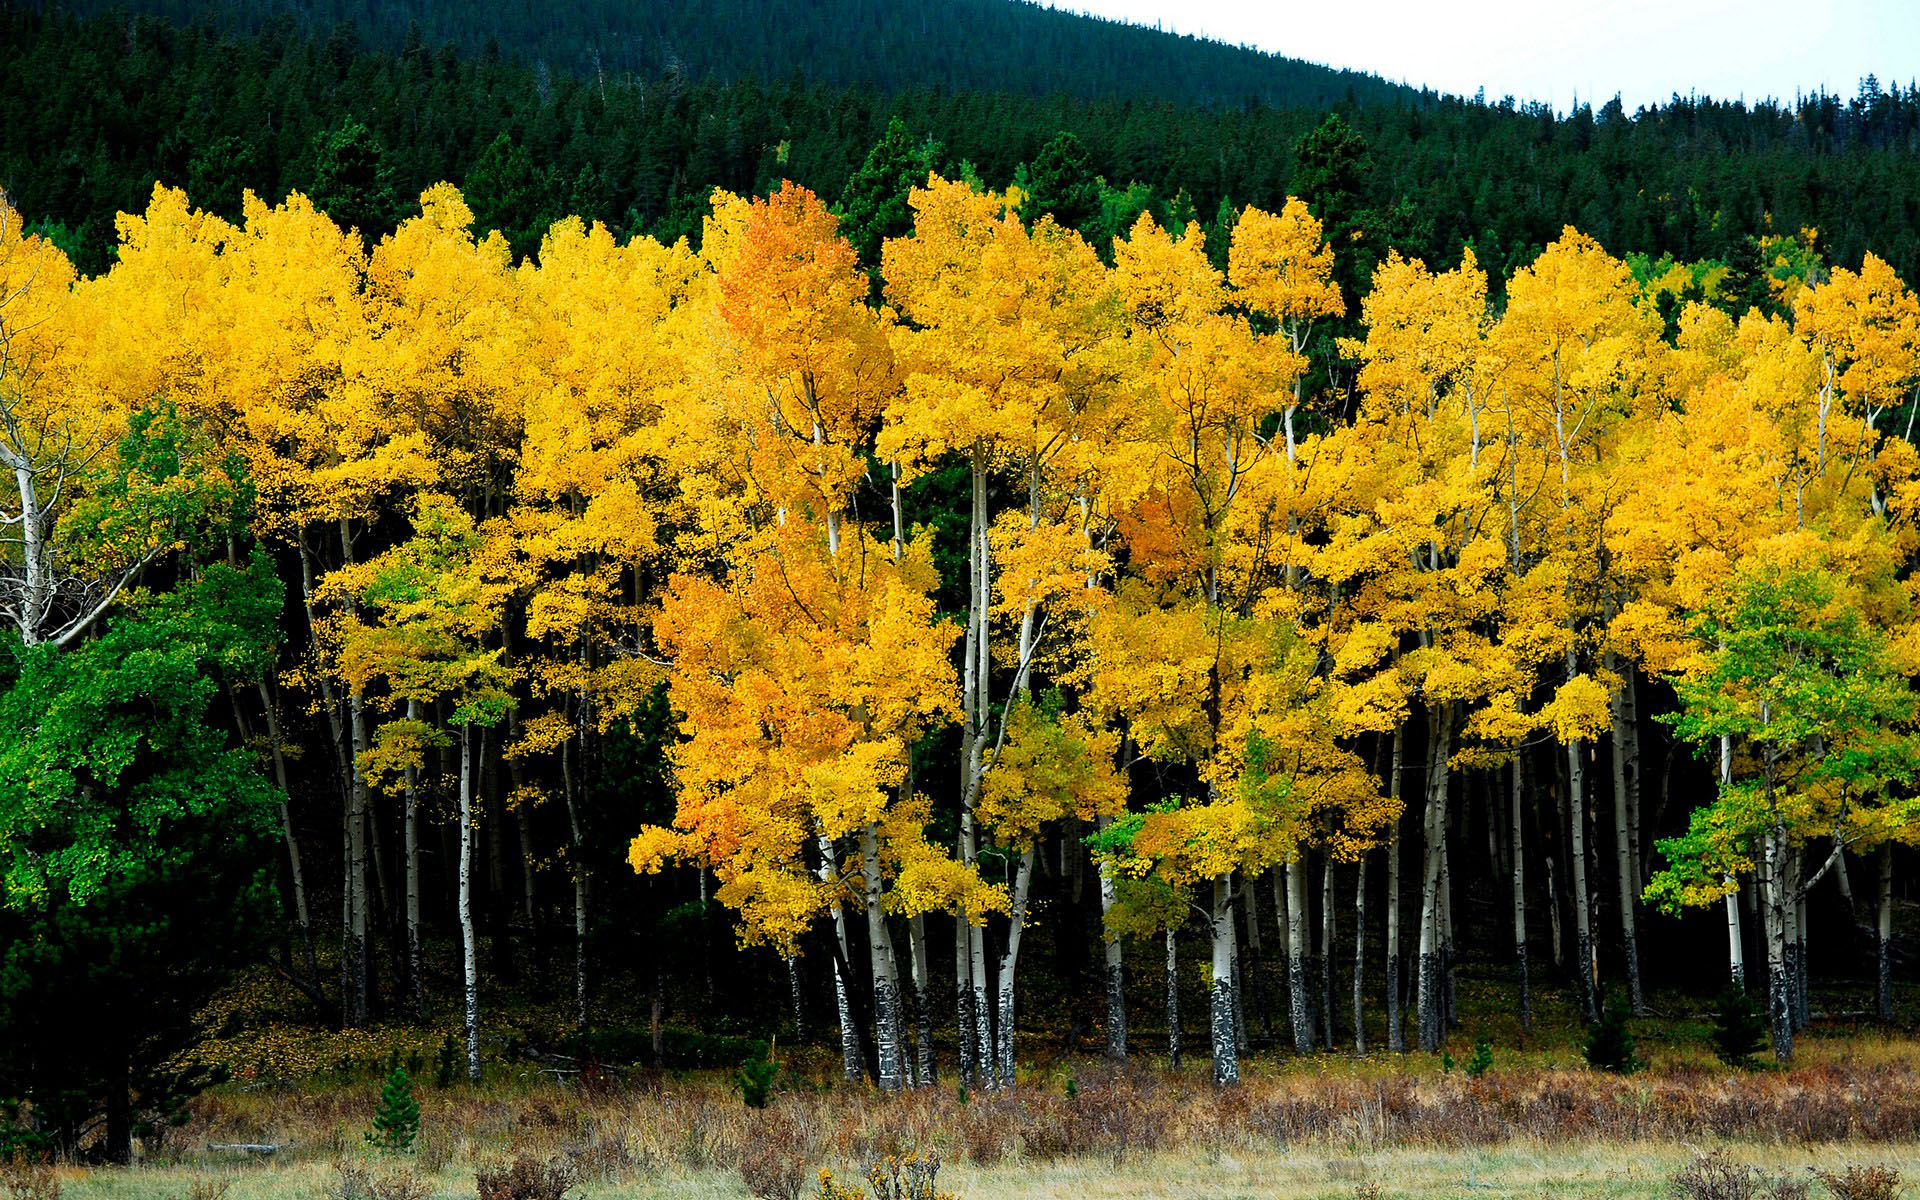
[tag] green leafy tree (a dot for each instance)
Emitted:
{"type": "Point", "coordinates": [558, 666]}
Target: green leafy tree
{"type": "Point", "coordinates": [1804, 687]}
{"type": "Point", "coordinates": [133, 844]}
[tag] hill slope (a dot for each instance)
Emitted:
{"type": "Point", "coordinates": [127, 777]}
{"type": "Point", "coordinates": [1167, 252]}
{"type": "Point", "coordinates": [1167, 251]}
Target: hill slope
{"type": "Point", "coordinates": [978, 45]}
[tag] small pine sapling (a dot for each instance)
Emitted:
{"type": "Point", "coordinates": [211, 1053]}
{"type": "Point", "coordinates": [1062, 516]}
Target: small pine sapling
{"type": "Point", "coordinates": [1610, 1045]}
{"type": "Point", "coordinates": [397, 1122]}
{"type": "Point", "coordinates": [1482, 1060]}
{"type": "Point", "coordinates": [1739, 1028]}
{"type": "Point", "coordinates": [754, 1080]}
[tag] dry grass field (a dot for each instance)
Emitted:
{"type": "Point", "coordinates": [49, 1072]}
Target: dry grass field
{"type": "Point", "coordinates": [1327, 1127]}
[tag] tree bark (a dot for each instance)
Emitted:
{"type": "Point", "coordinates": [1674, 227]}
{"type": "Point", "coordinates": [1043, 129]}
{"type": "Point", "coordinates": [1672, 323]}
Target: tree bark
{"type": "Point", "coordinates": [1626, 787]}
{"type": "Point", "coordinates": [1116, 982]}
{"type": "Point", "coordinates": [1883, 973]}
{"type": "Point", "coordinates": [886, 989]}
{"type": "Point", "coordinates": [1736, 946]}
{"type": "Point", "coordinates": [963, 935]}
{"type": "Point", "coordinates": [1582, 909]}
{"type": "Point", "coordinates": [923, 1075]}
{"type": "Point", "coordinates": [1009, 961]}
{"type": "Point", "coordinates": [1329, 1034]}
{"type": "Point", "coordinates": [1173, 1000]}
{"type": "Point", "coordinates": [1360, 958]}
{"type": "Point", "coordinates": [1255, 960]}
{"type": "Point", "coordinates": [1520, 892]}
{"type": "Point", "coordinates": [851, 1068]}
{"type": "Point", "coordinates": [469, 960]}
{"type": "Point", "coordinates": [1396, 1035]}
{"type": "Point", "coordinates": [1226, 1054]}
{"type": "Point", "coordinates": [297, 874]}
{"type": "Point", "coordinates": [1431, 1015]}
{"type": "Point", "coordinates": [416, 975]}
{"type": "Point", "coordinates": [1297, 940]}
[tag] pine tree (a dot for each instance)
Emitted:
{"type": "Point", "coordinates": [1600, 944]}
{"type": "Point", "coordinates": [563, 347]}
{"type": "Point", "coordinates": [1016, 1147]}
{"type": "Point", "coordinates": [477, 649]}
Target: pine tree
{"type": "Point", "coordinates": [397, 1121]}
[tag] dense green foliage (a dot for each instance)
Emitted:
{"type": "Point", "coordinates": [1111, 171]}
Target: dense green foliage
{"type": "Point", "coordinates": [960, 45]}
{"type": "Point", "coordinates": [136, 856]}
{"type": "Point", "coordinates": [99, 109]}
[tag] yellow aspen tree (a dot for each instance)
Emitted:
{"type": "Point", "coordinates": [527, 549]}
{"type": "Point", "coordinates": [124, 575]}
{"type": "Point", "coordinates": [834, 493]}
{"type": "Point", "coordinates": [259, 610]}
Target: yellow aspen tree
{"type": "Point", "coordinates": [1006, 360]}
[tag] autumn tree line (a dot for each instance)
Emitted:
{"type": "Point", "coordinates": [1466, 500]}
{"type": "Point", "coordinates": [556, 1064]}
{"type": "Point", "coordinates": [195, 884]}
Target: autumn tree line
{"type": "Point", "coordinates": [1014, 557]}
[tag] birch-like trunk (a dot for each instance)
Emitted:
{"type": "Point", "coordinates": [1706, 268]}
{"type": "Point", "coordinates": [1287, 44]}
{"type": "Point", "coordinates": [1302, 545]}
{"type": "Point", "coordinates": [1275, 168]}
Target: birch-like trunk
{"type": "Point", "coordinates": [1626, 786]}
{"type": "Point", "coordinates": [1360, 958]}
{"type": "Point", "coordinates": [1430, 1008]}
{"type": "Point", "coordinates": [303, 921]}
{"type": "Point", "coordinates": [1582, 909]}
{"type": "Point", "coordinates": [1774, 906]}
{"type": "Point", "coordinates": [923, 1074]}
{"type": "Point", "coordinates": [1329, 1034]}
{"type": "Point", "coordinates": [1884, 958]}
{"type": "Point", "coordinates": [416, 974]}
{"type": "Point", "coordinates": [798, 999]}
{"type": "Point", "coordinates": [851, 1068]}
{"type": "Point", "coordinates": [886, 989]}
{"type": "Point", "coordinates": [1116, 981]}
{"type": "Point", "coordinates": [1173, 999]}
{"type": "Point", "coordinates": [469, 958]}
{"type": "Point", "coordinates": [1298, 939]}
{"type": "Point", "coordinates": [1255, 960]}
{"type": "Point", "coordinates": [965, 1036]}
{"type": "Point", "coordinates": [354, 965]}
{"type": "Point", "coordinates": [1396, 1036]}
{"type": "Point", "coordinates": [1226, 1053]}
{"type": "Point", "coordinates": [1736, 946]}
{"type": "Point", "coordinates": [1009, 961]}
{"type": "Point", "coordinates": [577, 867]}
{"type": "Point", "coordinates": [1520, 892]}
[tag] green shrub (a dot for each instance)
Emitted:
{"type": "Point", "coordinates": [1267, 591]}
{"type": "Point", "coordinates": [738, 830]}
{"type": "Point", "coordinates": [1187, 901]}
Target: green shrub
{"type": "Point", "coordinates": [1482, 1060]}
{"type": "Point", "coordinates": [1610, 1045]}
{"type": "Point", "coordinates": [754, 1080]}
{"type": "Point", "coordinates": [397, 1122]}
{"type": "Point", "coordinates": [1739, 1028]}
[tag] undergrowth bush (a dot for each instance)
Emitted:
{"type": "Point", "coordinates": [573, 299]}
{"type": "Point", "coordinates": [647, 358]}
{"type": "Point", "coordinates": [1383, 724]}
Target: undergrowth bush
{"type": "Point", "coordinates": [1714, 1176]}
{"type": "Point", "coordinates": [525, 1178]}
{"type": "Point", "coordinates": [1870, 1182]}
{"type": "Point", "coordinates": [351, 1181]}
{"type": "Point", "coordinates": [27, 1179]}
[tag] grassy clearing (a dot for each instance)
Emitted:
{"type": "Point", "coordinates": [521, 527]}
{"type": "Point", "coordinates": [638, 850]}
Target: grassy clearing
{"type": "Point", "coordinates": [1326, 1127]}
{"type": "Point", "coordinates": [1535, 1171]}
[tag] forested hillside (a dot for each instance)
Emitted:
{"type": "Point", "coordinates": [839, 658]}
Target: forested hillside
{"type": "Point", "coordinates": [101, 109]}
{"type": "Point", "coordinates": [958, 45]}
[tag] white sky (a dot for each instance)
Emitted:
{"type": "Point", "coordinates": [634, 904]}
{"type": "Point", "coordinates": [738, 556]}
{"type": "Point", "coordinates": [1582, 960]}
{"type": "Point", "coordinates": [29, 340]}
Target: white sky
{"type": "Point", "coordinates": [1646, 50]}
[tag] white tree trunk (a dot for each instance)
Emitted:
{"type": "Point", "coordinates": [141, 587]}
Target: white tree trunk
{"type": "Point", "coordinates": [1226, 1054]}
{"type": "Point", "coordinates": [1173, 1000]}
{"type": "Point", "coordinates": [1626, 783]}
{"type": "Point", "coordinates": [1582, 910]}
{"type": "Point", "coordinates": [1884, 959]}
{"type": "Point", "coordinates": [1360, 959]}
{"type": "Point", "coordinates": [1009, 962]}
{"type": "Point", "coordinates": [469, 959]}
{"type": "Point", "coordinates": [1396, 1037]}
{"type": "Point", "coordinates": [851, 1068]}
{"type": "Point", "coordinates": [1430, 1008]}
{"type": "Point", "coordinates": [1115, 963]}
{"type": "Point", "coordinates": [923, 1075]}
{"type": "Point", "coordinates": [1520, 891]}
{"type": "Point", "coordinates": [886, 989]}
{"type": "Point", "coordinates": [1298, 939]}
